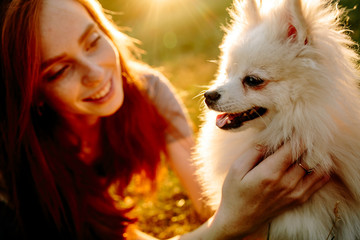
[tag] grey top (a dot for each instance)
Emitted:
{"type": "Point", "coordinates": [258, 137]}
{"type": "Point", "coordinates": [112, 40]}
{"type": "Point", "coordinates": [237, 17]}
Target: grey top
{"type": "Point", "coordinates": [168, 103]}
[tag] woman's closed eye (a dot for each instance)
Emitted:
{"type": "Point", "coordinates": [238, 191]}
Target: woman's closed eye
{"type": "Point", "coordinates": [93, 41]}
{"type": "Point", "coordinates": [57, 74]}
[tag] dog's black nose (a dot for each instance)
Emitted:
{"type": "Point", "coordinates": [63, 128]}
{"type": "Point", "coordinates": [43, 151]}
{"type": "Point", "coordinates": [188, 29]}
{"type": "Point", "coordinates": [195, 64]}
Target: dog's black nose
{"type": "Point", "coordinates": [211, 97]}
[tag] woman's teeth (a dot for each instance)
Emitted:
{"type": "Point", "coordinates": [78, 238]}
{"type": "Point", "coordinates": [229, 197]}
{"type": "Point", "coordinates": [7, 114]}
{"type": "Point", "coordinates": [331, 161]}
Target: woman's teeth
{"type": "Point", "coordinates": [102, 93]}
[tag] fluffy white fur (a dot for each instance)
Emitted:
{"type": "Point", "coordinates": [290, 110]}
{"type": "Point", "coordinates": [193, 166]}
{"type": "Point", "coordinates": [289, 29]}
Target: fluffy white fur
{"type": "Point", "coordinates": [312, 96]}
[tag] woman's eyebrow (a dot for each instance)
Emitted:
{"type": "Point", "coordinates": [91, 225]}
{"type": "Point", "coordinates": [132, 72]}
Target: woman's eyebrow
{"type": "Point", "coordinates": [51, 61]}
{"type": "Point", "coordinates": [83, 36]}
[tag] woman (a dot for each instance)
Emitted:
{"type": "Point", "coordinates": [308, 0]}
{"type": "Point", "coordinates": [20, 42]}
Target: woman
{"type": "Point", "coordinates": [81, 115]}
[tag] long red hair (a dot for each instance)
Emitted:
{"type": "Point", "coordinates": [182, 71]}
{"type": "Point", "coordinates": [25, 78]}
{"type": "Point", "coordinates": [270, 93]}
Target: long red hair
{"type": "Point", "coordinates": [41, 172]}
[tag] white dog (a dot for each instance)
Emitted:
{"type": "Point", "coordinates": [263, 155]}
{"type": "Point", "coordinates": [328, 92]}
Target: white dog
{"type": "Point", "coordinates": [288, 71]}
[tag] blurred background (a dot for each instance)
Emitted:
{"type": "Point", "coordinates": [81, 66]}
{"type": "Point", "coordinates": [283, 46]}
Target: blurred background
{"type": "Point", "coordinates": [181, 37]}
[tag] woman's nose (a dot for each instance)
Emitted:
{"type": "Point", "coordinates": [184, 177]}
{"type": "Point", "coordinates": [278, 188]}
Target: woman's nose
{"type": "Point", "coordinates": [93, 74]}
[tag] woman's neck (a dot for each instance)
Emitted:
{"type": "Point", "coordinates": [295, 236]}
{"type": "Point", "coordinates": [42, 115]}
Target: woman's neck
{"type": "Point", "coordinates": [86, 135]}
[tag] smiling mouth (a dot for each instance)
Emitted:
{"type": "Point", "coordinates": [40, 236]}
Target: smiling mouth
{"type": "Point", "coordinates": [100, 94]}
{"type": "Point", "coordinates": [228, 121]}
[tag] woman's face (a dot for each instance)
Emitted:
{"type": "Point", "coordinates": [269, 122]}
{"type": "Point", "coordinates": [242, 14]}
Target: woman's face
{"type": "Point", "coordinates": [80, 64]}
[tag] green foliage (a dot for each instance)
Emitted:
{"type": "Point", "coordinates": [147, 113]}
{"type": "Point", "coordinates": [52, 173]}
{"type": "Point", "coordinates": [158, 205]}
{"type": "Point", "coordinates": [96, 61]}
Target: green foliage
{"type": "Point", "coordinates": [353, 18]}
{"type": "Point", "coordinates": [181, 36]}
{"type": "Point", "coordinates": [173, 28]}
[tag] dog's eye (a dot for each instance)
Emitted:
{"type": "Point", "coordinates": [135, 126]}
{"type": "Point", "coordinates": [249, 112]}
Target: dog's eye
{"type": "Point", "coordinates": [253, 81]}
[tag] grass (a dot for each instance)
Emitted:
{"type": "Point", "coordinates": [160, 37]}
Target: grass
{"type": "Point", "coordinates": [168, 212]}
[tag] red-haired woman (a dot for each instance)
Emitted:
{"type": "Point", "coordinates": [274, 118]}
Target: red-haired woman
{"type": "Point", "coordinates": [79, 114]}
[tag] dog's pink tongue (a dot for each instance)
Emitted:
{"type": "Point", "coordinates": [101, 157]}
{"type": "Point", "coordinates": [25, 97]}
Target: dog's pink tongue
{"type": "Point", "coordinates": [222, 120]}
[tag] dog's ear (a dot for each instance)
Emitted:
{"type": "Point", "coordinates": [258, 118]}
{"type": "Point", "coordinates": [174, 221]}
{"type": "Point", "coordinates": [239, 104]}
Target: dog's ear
{"type": "Point", "coordinates": [245, 12]}
{"type": "Point", "coordinates": [297, 27]}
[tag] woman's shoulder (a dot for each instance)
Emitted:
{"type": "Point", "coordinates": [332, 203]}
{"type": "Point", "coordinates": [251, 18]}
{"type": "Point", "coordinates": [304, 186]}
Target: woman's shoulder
{"type": "Point", "coordinates": [152, 79]}
{"type": "Point", "coordinates": [156, 85]}
{"type": "Point", "coordinates": [165, 98]}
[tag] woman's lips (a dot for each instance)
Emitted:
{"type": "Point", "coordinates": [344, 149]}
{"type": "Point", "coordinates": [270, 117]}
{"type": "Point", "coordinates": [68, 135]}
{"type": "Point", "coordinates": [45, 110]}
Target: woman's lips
{"type": "Point", "coordinates": [101, 94]}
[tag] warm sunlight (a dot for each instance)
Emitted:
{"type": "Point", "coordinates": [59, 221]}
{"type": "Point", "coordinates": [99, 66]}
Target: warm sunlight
{"type": "Point", "coordinates": [162, 2]}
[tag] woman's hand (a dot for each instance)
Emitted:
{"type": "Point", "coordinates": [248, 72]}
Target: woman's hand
{"type": "Point", "coordinates": [252, 194]}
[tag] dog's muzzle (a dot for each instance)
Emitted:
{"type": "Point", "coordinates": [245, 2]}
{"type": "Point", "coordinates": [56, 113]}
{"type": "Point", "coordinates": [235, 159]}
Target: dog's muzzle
{"type": "Point", "coordinates": [231, 120]}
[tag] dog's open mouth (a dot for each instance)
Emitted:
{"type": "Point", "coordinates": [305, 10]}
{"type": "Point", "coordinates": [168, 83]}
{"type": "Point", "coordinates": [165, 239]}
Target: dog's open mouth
{"type": "Point", "coordinates": [235, 120]}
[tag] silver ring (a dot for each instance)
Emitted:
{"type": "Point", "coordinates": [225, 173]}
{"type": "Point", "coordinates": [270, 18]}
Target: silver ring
{"type": "Point", "coordinates": [307, 171]}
